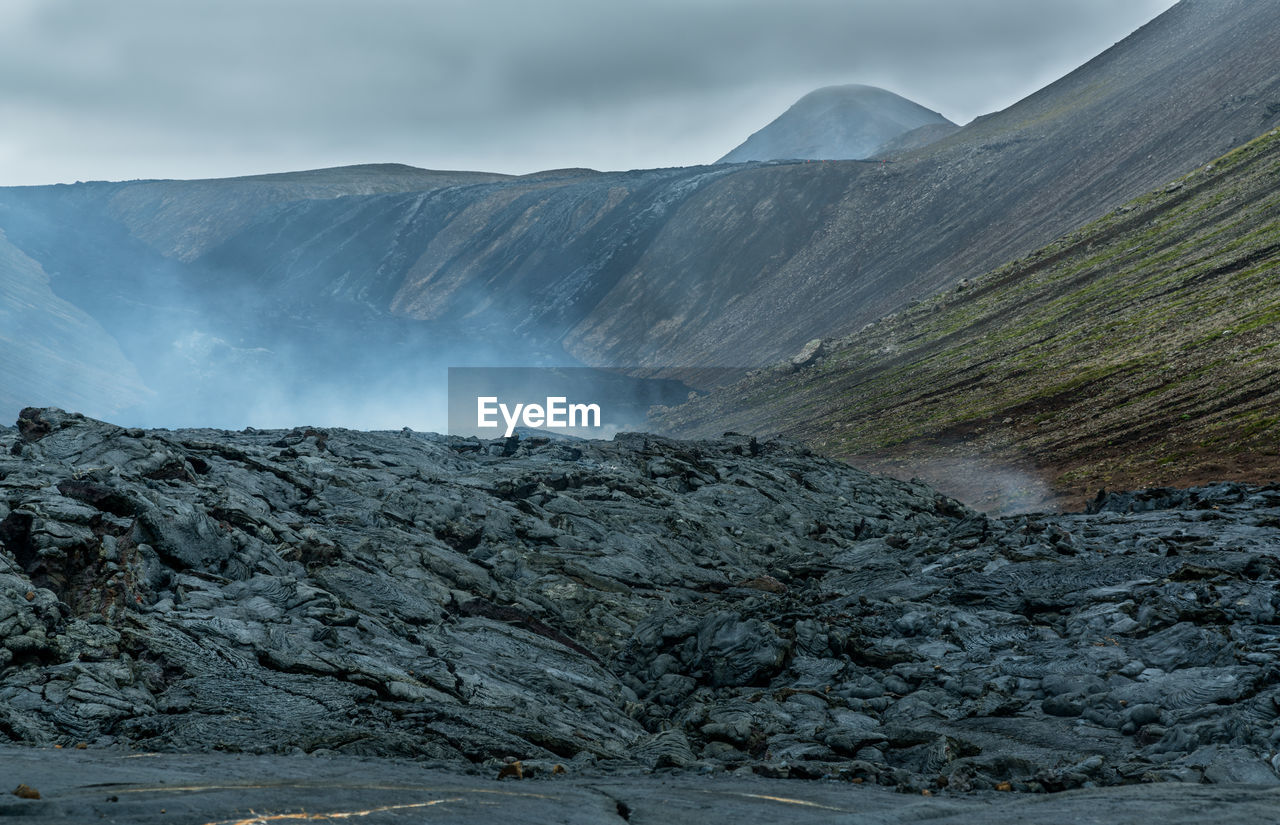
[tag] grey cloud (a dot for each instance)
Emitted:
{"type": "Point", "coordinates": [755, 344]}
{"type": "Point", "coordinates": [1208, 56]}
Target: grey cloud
{"type": "Point", "coordinates": [497, 84]}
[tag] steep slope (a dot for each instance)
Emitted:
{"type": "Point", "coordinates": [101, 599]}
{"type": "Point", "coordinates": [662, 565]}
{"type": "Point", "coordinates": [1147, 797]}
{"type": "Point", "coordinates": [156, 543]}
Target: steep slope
{"type": "Point", "coordinates": [836, 123]}
{"type": "Point", "coordinates": [915, 139]}
{"type": "Point", "coordinates": [1138, 351]}
{"type": "Point", "coordinates": [53, 350]}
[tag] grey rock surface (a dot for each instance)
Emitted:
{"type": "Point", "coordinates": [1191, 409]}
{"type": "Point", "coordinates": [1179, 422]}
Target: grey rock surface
{"type": "Point", "coordinates": [142, 788]}
{"type": "Point", "coordinates": [624, 607]}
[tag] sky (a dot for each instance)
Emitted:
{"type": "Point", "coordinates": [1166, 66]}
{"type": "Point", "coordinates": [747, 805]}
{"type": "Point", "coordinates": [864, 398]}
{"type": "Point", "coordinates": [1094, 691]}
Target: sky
{"type": "Point", "coordinates": [93, 90]}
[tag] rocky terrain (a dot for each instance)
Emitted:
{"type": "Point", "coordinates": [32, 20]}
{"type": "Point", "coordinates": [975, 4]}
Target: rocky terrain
{"type": "Point", "coordinates": [244, 789]}
{"type": "Point", "coordinates": [336, 279]}
{"type": "Point", "coordinates": [617, 608]}
{"type": "Point", "coordinates": [1138, 351]}
{"type": "Point", "coordinates": [840, 123]}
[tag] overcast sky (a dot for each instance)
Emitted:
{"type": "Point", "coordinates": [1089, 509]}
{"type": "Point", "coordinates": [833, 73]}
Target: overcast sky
{"type": "Point", "coordinates": [93, 90]}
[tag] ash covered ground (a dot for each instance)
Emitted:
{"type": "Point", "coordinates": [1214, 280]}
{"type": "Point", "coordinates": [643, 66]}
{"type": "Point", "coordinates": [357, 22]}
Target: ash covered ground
{"type": "Point", "coordinates": [638, 611]}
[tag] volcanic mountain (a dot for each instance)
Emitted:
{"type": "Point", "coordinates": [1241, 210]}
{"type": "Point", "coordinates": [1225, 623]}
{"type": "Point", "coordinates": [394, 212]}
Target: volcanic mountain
{"type": "Point", "coordinates": [345, 285]}
{"type": "Point", "coordinates": [838, 123]}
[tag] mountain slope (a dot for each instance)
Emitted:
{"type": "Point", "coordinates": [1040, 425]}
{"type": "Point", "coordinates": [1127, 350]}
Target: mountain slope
{"type": "Point", "coordinates": [1184, 89]}
{"type": "Point", "coordinates": [836, 123]}
{"type": "Point", "coordinates": [52, 349]}
{"type": "Point", "coordinates": [1138, 351]}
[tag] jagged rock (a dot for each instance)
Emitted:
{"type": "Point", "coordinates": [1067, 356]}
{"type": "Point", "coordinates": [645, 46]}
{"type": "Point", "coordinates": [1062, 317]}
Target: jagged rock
{"type": "Point", "coordinates": [665, 749]}
{"type": "Point", "coordinates": [810, 353]}
{"type": "Point", "coordinates": [640, 604]}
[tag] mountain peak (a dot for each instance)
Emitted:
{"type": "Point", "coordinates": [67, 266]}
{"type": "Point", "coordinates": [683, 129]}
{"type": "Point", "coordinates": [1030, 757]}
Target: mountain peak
{"type": "Point", "coordinates": [836, 123]}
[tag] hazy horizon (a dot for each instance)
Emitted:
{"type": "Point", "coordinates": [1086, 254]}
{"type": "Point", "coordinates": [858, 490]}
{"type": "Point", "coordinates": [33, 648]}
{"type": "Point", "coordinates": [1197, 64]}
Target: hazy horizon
{"type": "Point", "coordinates": [151, 89]}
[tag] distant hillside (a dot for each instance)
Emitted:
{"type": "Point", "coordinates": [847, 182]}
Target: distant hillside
{"type": "Point", "coordinates": [836, 123]}
{"type": "Point", "coordinates": [1141, 350]}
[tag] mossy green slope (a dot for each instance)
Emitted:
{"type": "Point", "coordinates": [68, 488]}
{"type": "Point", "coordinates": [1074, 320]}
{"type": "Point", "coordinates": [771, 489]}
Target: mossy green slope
{"type": "Point", "coordinates": [1140, 350]}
